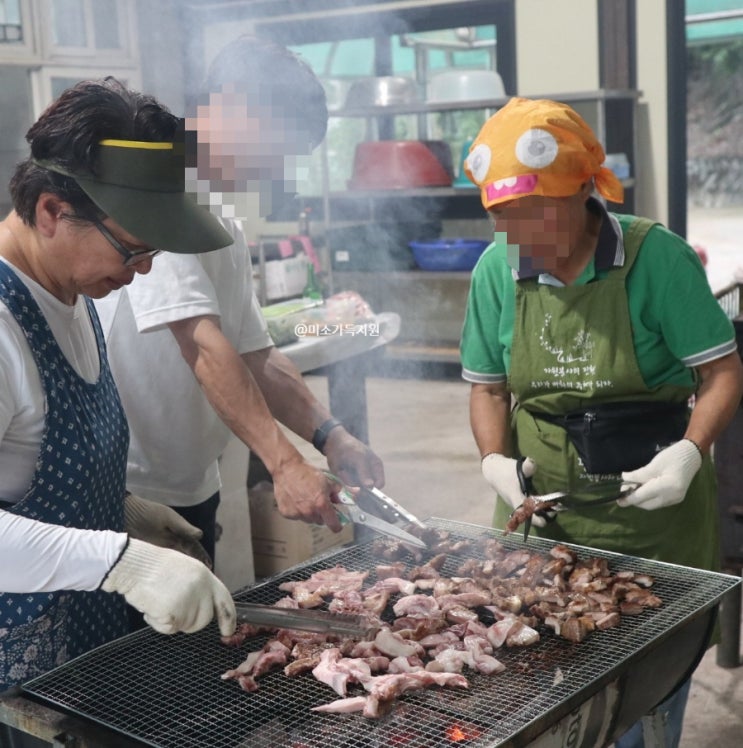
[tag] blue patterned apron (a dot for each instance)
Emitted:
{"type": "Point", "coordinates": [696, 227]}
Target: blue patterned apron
{"type": "Point", "coordinates": [79, 482]}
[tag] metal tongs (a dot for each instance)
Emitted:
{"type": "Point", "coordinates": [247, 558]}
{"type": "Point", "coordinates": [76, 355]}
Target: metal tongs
{"type": "Point", "coordinates": [398, 514]}
{"type": "Point", "coordinates": [321, 621]}
{"type": "Point", "coordinates": [351, 511]}
{"type": "Point", "coordinates": [556, 501]}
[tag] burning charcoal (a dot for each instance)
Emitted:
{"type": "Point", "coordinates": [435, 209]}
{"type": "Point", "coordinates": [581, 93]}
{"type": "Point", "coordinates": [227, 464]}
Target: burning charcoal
{"type": "Point", "coordinates": [462, 732]}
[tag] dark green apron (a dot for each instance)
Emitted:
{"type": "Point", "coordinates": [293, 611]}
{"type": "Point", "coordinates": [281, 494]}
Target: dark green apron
{"type": "Point", "coordinates": [573, 346]}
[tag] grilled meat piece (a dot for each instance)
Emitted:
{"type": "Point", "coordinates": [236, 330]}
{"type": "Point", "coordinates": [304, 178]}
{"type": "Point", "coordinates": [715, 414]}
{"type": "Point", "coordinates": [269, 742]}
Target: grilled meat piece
{"type": "Point", "coordinates": [437, 632]}
{"type": "Point", "coordinates": [390, 570]}
{"type": "Point", "coordinates": [242, 632]}
{"type": "Point", "coordinates": [338, 671]}
{"type": "Point", "coordinates": [343, 706]}
{"type": "Point", "coordinates": [392, 644]}
{"type": "Point", "coordinates": [576, 629]}
{"type": "Point", "coordinates": [258, 663]}
{"type": "Point", "coordinates": [424, 606]}
{"type": "Point", "coordinates": [528, 509]}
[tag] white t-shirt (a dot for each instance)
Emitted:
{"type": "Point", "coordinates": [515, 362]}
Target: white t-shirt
{"type": "Point", "coordinates": [176, 436]}
{"type": "Point", "coordinates": [36, 556]}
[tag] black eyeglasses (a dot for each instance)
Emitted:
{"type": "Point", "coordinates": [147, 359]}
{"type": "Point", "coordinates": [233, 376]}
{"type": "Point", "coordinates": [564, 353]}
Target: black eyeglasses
{"type": "Point", "coordinates": [130, 258]}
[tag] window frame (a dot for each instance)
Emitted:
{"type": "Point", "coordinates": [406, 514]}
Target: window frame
{"type": "Point", "coordinates": [41, 80]}
{"type": "Point", "coordinates": [26, 50]}
{"type": "Point", "coordinates": [123, 55]}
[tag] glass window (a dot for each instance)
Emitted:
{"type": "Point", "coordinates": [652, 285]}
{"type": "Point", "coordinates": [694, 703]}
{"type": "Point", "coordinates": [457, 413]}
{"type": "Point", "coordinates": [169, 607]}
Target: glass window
{"type": "Point", "coordinates": [16, 113]}
{"type": "Point", "coordinates": [106, 24]}
{"type": "Point", "coordinates": [60, 84]}
{"type": "Point", "coordinates": [11, 29]}
{"type": "Point", "coordinates": [86, 25]}
{"type": "Point", "coordinates": [68, 23]}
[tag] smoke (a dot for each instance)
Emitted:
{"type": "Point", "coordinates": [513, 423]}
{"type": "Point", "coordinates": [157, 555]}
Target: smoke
{"type": "Point", "coordinates": [365, 236]}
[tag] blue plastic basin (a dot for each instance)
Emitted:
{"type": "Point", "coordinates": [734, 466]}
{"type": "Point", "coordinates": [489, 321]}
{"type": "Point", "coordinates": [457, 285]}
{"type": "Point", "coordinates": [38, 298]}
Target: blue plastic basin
{"type": "Point", "coordinates": [448, 254]}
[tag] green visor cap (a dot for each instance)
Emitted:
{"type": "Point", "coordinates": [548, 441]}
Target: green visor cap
{"type": "Point", "coordinates": [141, 186]}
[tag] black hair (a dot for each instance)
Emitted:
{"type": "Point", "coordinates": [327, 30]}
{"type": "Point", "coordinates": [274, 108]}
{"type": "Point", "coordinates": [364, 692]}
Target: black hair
{"type": "Point", "coordinates": [68, 133]}
{"type": "Point", "coordinates": [278, 77]}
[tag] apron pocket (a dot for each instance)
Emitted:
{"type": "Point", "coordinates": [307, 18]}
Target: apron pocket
{"type": "Point", "coordinates": [614, 437]}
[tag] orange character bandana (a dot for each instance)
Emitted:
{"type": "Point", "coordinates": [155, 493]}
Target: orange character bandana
{"type": "Point", "coordinates": [537, 147]}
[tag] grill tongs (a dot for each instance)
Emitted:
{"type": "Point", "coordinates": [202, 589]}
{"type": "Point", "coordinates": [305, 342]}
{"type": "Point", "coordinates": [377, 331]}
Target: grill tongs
{"type": "Point", "coordinates": [349, 510]}
{"type": "Point", "coordinates": [322, 621]}
{"type": "Point", "coordinates": [378, 503]}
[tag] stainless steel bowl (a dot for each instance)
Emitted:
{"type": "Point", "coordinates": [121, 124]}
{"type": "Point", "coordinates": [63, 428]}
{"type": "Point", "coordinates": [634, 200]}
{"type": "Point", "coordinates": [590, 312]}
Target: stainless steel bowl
{"type": "Point", "coordinates": [387, 90]}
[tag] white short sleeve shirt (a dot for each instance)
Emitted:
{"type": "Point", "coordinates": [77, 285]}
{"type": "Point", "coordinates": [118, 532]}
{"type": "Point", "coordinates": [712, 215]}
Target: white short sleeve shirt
{"type": "Point", "coordinates": [176, 436]}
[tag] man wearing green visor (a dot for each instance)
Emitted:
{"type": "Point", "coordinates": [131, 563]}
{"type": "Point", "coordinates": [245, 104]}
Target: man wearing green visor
{"type": "Point", "coordinates": [262, 110]}
{"type": "Point", "coordinates": [101, 193]}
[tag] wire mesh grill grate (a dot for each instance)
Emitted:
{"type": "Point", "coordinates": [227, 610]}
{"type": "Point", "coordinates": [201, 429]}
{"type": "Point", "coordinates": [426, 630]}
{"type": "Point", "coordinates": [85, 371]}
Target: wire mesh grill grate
{"type": "Point", "coordinates": [165, 691]}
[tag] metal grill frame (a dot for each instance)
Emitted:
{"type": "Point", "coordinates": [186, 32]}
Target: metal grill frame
{"type": "Point", "coordinates": [165, 691]}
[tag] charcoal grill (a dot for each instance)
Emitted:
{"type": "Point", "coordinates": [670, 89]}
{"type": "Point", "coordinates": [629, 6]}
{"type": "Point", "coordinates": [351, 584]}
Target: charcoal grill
{"type": "Point", "coordinates": [165, 691]}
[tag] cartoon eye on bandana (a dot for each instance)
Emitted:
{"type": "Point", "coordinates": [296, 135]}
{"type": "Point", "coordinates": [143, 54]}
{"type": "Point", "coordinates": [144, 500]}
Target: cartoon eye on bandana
{"type": "Point", "coordinates": [536, 148]}
{"type": "Point", "coordinates": [478, 162]}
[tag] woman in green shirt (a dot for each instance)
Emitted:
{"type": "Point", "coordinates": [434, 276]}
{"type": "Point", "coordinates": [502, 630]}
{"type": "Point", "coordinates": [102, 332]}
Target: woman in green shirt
{"type": "Point", "coordinates": [573, 310]}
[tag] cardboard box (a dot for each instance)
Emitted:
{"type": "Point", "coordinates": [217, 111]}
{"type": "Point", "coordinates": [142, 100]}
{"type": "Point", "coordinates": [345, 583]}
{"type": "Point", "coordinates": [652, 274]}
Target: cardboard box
{"type": "Point", "coordinates": [279, 543]}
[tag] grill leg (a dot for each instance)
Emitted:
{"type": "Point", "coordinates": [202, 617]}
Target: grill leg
{"type": "Point", "coordinates": [728, 650]}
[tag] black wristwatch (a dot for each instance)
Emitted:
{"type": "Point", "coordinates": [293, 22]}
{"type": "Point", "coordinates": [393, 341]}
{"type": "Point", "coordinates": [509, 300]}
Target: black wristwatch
{"type": "Point", "coordinates": [320, 437]}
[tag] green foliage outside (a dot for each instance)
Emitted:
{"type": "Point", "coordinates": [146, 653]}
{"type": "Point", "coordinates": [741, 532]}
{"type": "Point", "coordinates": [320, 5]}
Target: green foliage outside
{"type": "Point", "coordinates": [716, 62]}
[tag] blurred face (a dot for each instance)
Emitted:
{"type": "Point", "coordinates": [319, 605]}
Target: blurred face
{"type": "Point", "coordinates": [540, 232]}
{"type": "Point", "coordinates": [247, 147]}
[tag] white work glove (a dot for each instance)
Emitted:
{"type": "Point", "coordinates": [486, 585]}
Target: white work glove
{"type": "Point", "coordinates": [162, 526]}
{"type": "Point", "coordinates": [666, 478]}
{"type": "Point", "coordinates": [175, 592]}
{"type": "Point", "coordinates": [501, 473]}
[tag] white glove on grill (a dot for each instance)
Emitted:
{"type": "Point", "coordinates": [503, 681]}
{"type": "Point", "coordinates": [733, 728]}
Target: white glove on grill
{"type": "Point", "coordinates": [175, 592]}
{"type": "Point", "coordinates": [666, 478]}
{"type": "Point", "coordinates": [162, 526]}
{"type": "Point", "coordinates": [500, 472]}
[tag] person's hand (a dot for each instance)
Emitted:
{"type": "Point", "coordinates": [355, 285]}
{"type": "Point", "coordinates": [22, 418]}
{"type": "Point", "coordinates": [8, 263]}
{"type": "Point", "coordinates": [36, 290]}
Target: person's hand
{"type": "Point", "coordinates": [500, 472]}
{"type": "Point", "coordinates": [175, 592]}
{"type": "Point", "coordinates": [352, 460]}
{"type": "Point", "coordinates": [306, 493]}
{"type": "Point", "coordinates": [162, 526]}
{"type": "Point", "coordinates": [666, 478]}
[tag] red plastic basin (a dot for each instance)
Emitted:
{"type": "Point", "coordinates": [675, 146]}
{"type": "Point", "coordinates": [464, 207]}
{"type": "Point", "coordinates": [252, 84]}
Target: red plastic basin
{"type": "Point", "coordinates": [395, 165]}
